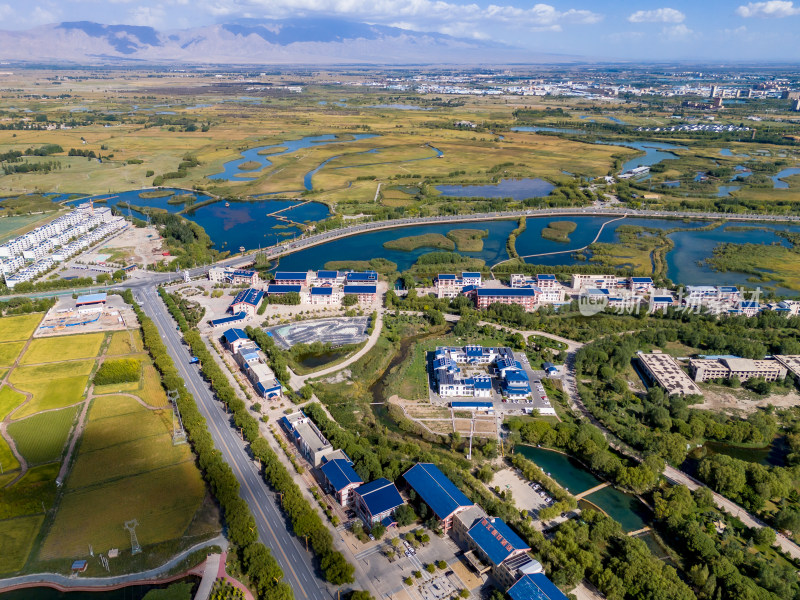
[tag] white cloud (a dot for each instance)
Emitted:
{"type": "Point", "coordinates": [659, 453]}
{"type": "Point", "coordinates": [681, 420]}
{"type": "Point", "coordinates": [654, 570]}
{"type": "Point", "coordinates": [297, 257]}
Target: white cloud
{"type": "Point", "coordinates": [41, 15]}
{"type": "Point", "coordinates": [771, 9]}
{"type": "Point", "coordinates": [5, 11]}
{"type": "Point", "coordinates": [676, 32]}
{"type": "Point", "coordinates": [658, 15]}
{"type": "Point", "coordinates": [149, 16]}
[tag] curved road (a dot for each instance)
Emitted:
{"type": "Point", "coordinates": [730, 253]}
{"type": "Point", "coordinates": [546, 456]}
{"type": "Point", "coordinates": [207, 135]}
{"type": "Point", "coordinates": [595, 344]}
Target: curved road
{"type": "Point", "coordinates": [109, 582]}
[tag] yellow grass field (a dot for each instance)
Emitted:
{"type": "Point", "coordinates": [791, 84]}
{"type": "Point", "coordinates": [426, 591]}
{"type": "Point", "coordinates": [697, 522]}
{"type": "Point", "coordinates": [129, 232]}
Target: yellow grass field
{"type": "Point", "coordinates": [9, 352]}
{"type": "Point", "coordinates": [18, 327]}
{"type": "Point", "coordinates": [16, 540]}
{"type": "Point", "coordinates": [126, 468]}
{"type": "Point", "coordinates": [124, 342]}
{"type": "Point", "coordinates": [163, 502]}
{"type": "Point", "coordinates": [57, 349]}
{"type": "Point", "coordinates": [9, 400]}
{"type": "Point", "coordinates": [53, 385]}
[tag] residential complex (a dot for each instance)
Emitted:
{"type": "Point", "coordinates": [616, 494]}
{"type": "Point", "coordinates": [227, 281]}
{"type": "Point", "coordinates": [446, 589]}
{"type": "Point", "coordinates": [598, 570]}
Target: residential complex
{"type": "Point", "coordinates": [450, 372]}
{"type": "Point", "coordinates": [662, 369]}
{"type": "Point", "coordinates": [29, 255]}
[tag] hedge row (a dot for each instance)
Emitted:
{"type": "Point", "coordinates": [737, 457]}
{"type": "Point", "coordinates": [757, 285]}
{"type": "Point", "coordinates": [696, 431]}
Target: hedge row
{"type": "Point", "coordinates": [306, 522]}
{"type": "Point", "coordinates": [260, 566]}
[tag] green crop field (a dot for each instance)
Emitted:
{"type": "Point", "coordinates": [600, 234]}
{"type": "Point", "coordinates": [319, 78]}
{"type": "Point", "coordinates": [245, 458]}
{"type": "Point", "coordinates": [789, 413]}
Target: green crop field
{"type": "Point", "coordinates": [41, 438]}
{"type": "Point", "coordinates": [7, 457]}
{"type": "Point", "coordinates": [9, 400]}
{"type": "Point", "coordinates": [9, 352]}
{"type": "Point", "coordinates": [124, 342]}
{"type": "Point", "coordinates": [16, 540]}
{"type": "Point", "coordinates": [163, 501]}
{"type": "Point", "coordinates": [18, 327]}
{"type": "Point", "coordinates": [53, 385]}
{"type": "Point", "coordinates": [58, 349]}
{"type": "Point", "coordinates": [26, 497]}
{"type": "Point", "coordinates": [15, 226]}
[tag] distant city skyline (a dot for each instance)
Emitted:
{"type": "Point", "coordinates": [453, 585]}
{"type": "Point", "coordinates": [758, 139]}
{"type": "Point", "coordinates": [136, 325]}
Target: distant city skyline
{"type": "Point", "coordinates": [715, 30]}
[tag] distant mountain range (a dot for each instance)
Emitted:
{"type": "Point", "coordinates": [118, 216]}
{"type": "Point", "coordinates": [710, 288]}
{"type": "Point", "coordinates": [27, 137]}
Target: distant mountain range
{"type": "Point", "coordinates": [253, 41]}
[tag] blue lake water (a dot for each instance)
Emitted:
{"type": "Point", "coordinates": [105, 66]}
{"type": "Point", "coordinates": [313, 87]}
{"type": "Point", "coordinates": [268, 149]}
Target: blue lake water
{"type": "Point", "coordinates": [518, 189]}
{"type": "Point", "coordinates": [724, 191]}
{"type": "Point", "coordinates": [554, 129]}
{"type": "Point", "coordinates": [616, 120]}
{"type": "Point", "coordinates": [232, 172]}
{"type": "Point", "coordinates": [777, 179]}
{"type": "Point", "coordinates": [654, 153]}
{"type": "Point", "coordinates": [240, 224]}
{"type": "Point", "coordinates": [132, 592]}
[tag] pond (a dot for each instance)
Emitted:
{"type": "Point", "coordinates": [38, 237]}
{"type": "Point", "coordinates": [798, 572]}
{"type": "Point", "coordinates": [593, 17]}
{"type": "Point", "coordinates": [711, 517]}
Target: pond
{"type": "Point", "coordinates": [518, 189]}
{"type": "Point", "coordinates": [571, 475]}
{"type": "Point", "coordinates": [232, 172]}
{"type": "Point", "coordinates": [773, 455]}
{"type": "Point", "coordinates": [654, 153]}
{"type": "Point", "coordinates": [240, 224]}
{"type": "Point", "coordinates": [777, 179]}
{"type": "Point", "coordinates": [312, 360]}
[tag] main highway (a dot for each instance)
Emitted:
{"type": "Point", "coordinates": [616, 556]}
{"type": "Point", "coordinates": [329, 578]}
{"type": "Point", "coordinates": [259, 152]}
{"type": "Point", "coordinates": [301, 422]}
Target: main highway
{"type": "Point", "coordinates": [297, 564]}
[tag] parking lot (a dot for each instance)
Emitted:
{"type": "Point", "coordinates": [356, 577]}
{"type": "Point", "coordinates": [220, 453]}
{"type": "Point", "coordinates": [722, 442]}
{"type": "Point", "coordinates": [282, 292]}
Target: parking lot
{"type": "Point", "coordinates": [337, 332]}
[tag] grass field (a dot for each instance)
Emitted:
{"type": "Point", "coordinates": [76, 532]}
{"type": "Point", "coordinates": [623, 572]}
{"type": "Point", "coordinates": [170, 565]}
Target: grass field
{"type": "Point", "coordinates": [7, 457]}
{"type": "Point", "coordinates": [63, 348]}
{"type": "Point", "coordinates": [27, 496]}
{"type": "Point", "coordinates": [426, 240]}
{"type": "Point", "coordinates": [16, 540]}
{"type": "Point", "coordinates": [53, 385]}
{"type": "Point", "coordinates": [124, 342]}
{"type": "Point", "coordinates": [18, 327]}
{"type": "Point", "coordinates": [15, 226]}
{"type": "Point", "coordinates": [164, 502]}
{"type": "Point", "coordinates": [9, 400]}
{"type": "Point", "coordinates": [41, 438]}
{"type": "Point", "coordinates": [148, 388]}
{"type": "Point", "coordinates": [9, 352]}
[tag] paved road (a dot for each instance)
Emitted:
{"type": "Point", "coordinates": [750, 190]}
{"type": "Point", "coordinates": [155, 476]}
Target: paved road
{"type": "Point", "coordinates": [105, 582]}
{"type": "Point", "coordinates": [296, 563]}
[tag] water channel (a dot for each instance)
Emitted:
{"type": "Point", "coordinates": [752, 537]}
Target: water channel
{"type": "Point", "coordinates": [132, 592]}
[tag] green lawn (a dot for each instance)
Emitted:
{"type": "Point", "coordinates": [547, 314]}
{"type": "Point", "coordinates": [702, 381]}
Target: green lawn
{"type": "Point", "coordinates": [9, 400]}
{"type": "Point", "coordinates": [18, 327]}
{"type": "Point", "coordinates": [16, 540]}
{"type": "Point", "coordinates": [9, 352]}
{"type": "Point", "coordinates": [41, 438]}
{"type": "Point", "coordinates": [63, 348]}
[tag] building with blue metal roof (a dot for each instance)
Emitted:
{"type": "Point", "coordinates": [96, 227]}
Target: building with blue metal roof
{"type": "Point", "coordinates": [495, 541]}
{"type": "Point", "coordinates": [525, 297]}
{"type": "Point", "coordinates": [478, 405]}
{"type": "Point", "coordinates": [291, 277]}
{"type": "Point", "coordinates": [365, 277]}
{"type": "Point", "coordinates": [88, 299]}
{"type": "Point", "coordinates": [247, 301]}
{"type": "Point", "coordinates": [366, 293]}
{"type": "Point", "coordinates": [276, 289]}
{"type": "Point", "coordinates": [234, 339]}
{"type": "Point", "coordinates": [535, 587]}
{"type": "Point", "coordinates": [340, 478]}
{"type": "Point", "coordinates": [328, 275]}
{"type": "Point", "coordinates": [437, 491]}
{"type": "Point", "coordinates": [237, 318]}
{"type": "Point", "coordinates": [376, 500]}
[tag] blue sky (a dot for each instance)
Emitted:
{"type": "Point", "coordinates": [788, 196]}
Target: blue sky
{"type": "Point", "coordinates": [696, 30]}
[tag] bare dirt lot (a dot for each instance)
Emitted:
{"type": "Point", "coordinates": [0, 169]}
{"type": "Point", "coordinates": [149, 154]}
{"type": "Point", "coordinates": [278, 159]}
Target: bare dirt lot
{"type": "Point", "coordinates": [744, 402]}
{"type": "Point", "coordinates": [64, 319]}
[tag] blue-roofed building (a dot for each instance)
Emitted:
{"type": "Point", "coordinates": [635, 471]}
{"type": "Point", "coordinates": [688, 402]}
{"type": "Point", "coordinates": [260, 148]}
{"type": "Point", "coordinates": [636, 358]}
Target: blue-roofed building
{"type": "Point", "coordinates": [340, 479]}
{"type": "Point", "coordinates": [234, 276]}
{"type": "Point", "coordinates": [234, 339]}
{"type": "Point", "coordinates": [291, 278]}
{"type": "Point", "coordinates": [642, 285]}
{"type": "Point", "coordinates": [496, 544]}
{"type": "Point", "coordinates": [516, 384]}
{"type": "Point", "coordinates": [366, 293]}
{"type": "Point", "coordinates": [749, 308]}
{"type": "Point", "coordinates": [476, 405]}
{"type": "Point", "coordinates": [472, 278]}
{"type": "Point", "coordinates": [376, 500]}
{"type": "Point", "coordinates": [246, 301]}
{"type": "Point", "coordinates": [231, 320]}
{"type": "Point", "coordinates": [330, 278]}
{"type": "Point", "coordinates": [276, 289]}
{"type": "Point", "coordinates": [365, 277]}
{"type": "Point", "coordinates": [325, 295]}
{"type": "Point", "coordinates": [535, 587]}
{"type": "Point", "coordinates": [91, 300]}
{"type": "Point", "coordinates": [660, 303]}
{"type": "Point", "coordinates": [438, 492]}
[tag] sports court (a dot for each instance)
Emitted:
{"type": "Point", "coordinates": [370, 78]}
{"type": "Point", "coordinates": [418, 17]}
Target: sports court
{"type": "Point", "coordinates": [337, 332]}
